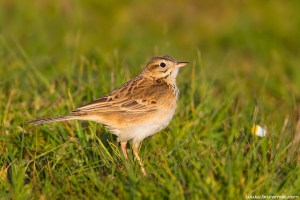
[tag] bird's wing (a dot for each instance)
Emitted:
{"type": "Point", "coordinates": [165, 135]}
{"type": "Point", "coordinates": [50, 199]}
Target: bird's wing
{"type": "Point", "coordinates": [133, 96]}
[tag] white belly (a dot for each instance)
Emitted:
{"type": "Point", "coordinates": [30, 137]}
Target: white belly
{"type": "Point", "coordinates": [139, 131]}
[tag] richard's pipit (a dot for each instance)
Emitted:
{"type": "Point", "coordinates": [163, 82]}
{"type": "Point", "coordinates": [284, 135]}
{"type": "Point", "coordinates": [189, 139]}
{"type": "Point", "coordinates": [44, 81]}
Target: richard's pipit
{"type": "Point", "coordinates": [138, 109]}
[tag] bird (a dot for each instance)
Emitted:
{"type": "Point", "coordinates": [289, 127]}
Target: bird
{"type": "Point", "coordinates": [137, 109]}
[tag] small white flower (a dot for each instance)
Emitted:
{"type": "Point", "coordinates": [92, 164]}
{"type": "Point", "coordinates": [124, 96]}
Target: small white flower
{"type": "Point", "coordinates": [258, 130]}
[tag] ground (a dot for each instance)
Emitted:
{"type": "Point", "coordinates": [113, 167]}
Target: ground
{"type": "Point", "coordinates": [244, 70]}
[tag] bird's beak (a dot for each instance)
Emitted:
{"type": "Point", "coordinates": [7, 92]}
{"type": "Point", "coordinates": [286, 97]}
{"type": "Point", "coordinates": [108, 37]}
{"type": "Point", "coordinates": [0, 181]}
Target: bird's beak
{"type": "Point", "coordinates": [180, 64]}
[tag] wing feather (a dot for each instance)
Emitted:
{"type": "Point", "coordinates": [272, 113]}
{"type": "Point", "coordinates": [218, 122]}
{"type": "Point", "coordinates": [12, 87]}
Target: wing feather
{"type": "Point", "coordinates": [128, 98]}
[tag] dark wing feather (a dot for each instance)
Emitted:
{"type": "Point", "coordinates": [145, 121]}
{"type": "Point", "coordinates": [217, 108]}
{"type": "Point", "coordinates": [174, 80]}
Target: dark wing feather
{"type": "Point", "coordinates": [128, 98]}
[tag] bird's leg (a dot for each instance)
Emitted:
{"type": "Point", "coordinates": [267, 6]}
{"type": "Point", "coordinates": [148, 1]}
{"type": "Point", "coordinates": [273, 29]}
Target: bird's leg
{"type": "Point", "coordinates": [123, 146]}
{"type": "Point", "coordinates": [135, 152]}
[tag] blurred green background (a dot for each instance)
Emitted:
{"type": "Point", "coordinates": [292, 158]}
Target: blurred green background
{"type": "Point", "coordinates": [256, 39]}
{"type": "Point", "coordinates": [57, 55]}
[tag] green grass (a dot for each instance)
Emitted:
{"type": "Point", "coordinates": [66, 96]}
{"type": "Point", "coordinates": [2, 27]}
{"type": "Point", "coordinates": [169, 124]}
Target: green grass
{"type": "Point", "coordinates": [56, 56]}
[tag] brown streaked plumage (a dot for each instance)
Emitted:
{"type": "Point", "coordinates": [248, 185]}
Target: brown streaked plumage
{"type": "Point", "coordinates": [138, 109]}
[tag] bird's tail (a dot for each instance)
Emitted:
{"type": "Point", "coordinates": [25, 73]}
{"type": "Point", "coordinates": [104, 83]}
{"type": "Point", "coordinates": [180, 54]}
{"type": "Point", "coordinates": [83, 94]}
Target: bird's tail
{"type": "Point", "coordinates": [53, 119]}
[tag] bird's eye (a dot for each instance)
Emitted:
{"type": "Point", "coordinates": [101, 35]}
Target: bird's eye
{"type": "Point", "coordinates": [162, 64]}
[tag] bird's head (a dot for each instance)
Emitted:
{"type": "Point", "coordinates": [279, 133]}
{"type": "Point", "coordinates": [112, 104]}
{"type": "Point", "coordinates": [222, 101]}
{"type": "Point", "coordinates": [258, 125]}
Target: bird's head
{"type": "Point", "coordinates": [163, 67]}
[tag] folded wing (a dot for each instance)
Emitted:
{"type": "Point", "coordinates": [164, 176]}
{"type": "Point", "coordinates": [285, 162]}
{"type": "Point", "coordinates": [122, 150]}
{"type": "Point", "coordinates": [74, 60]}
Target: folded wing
{"type": "Point", "coordinates": [127, 98]}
